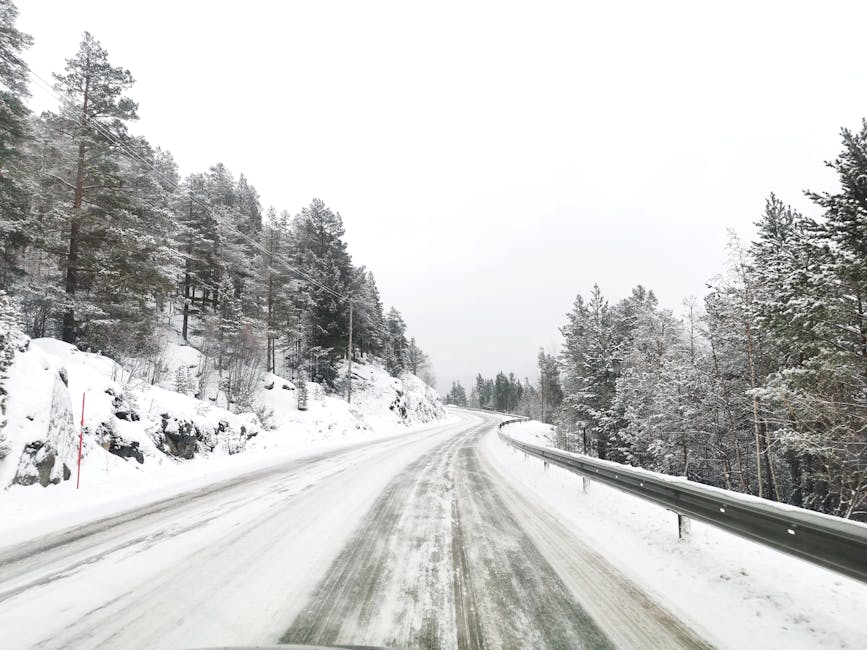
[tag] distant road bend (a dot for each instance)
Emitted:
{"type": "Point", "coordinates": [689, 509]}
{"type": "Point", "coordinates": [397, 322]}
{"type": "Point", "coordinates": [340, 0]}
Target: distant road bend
{"type": "Point", "coordinates": [416, 541]}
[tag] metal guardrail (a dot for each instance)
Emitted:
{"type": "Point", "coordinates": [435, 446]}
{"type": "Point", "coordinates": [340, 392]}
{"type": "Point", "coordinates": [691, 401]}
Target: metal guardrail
{"type": "Point", "coordinates": [831, 542]}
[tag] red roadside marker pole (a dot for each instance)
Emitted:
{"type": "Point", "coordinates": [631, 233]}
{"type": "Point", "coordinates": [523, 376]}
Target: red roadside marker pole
{"type": "Point", "coordinates": [80, 442]}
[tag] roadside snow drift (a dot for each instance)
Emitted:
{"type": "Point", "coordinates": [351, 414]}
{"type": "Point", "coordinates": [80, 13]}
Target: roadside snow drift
{"type": "Point", "coordinates": [131, 427]}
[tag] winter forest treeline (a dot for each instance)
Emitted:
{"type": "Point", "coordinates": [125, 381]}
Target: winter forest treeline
{"type": "Point", "coordinates": [104, 244]}
{"type": "Point", "coordinates": [762, 389]}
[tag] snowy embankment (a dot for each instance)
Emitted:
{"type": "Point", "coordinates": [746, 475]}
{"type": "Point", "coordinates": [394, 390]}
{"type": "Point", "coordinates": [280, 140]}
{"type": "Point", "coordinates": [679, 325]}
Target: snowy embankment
{"type": "Point", "coordinates": [143, 442]}
{"type": "Point", "coordinates": [733, 592]}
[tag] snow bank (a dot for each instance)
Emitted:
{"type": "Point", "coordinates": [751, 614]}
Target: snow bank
{"type": "Point", "coordinates": [385, 401]}
{"type": "Point", "coordinates": [132, 427]}
{"type": "Point", "coordinates": [380, 404]}
{"type": "Point", "coordinates": [138, 422]}
{"type": "Point", "coordinates": [734, 592]}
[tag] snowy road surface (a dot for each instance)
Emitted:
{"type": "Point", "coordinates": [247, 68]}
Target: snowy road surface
{"type": "Point", "coordinates": [413, 541]}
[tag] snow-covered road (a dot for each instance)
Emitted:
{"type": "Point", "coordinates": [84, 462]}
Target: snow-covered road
{"type": "Point", "coordinates": [413, 541]}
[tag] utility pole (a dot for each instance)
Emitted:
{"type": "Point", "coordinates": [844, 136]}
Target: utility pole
{"type": "Point", "coordinates": [349, 356]}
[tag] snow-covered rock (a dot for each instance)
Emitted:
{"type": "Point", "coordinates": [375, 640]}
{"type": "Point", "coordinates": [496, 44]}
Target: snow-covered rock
{"type": "Point", "coordinates": [187, 426]}
{"type": "Point", "coordinates": [383, 400]}
{"type": "Point", "coordinates": [131, 423]}
{"type": "Point", "coordinates": [39, 433]}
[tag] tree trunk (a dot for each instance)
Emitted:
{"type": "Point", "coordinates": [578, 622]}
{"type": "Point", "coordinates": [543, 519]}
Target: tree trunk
{"type": "Point", "coordinates": [187, 265]}
{"type": "Point", "coordinates": [751, 359]}
{"type": "Point", "coordinates": [773, 489]}
{"type": "Point", "coordinates": [862, 326]}
{"type": "Point", "coordinates": [270, 323]}
{"type": "Point", "coordinates": [69, 329]}
{"type": "Point", "coordinates": [744, 487]}
{"type": "Point", "coordinates": [797, 478]}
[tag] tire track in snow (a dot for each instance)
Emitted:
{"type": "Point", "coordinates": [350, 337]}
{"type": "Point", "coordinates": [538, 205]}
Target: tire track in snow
{"type": "Point", "coordinates": [478, 583]}
{"type": "Point", "coordinates": [390, 582]}
{"type": "Point", "coordinates": [468, 629]}
{"type": "Point", "coordinates": [628, 615]}
{"type": "Point", "coordinates": [520, 600]}
{"type": "Point", "coordinates": [237, 579]}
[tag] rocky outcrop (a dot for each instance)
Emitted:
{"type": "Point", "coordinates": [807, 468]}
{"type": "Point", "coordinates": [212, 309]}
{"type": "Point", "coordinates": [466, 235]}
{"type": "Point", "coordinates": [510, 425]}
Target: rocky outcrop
{"type": "Point", "coordinates": [122, 406]}
{"type": "Point", "coordinates": [39, 464]}
{"type": "Point", "coordinates": [399, 404]}
{"type": "Point", "coordinates": [47, 456]}
{"type": "Point", "coordinates": [183, 438]}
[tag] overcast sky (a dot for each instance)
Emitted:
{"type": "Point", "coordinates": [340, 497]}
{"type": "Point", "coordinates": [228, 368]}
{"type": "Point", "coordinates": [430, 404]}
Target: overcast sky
{"type": "Point", "coordinates": [492, 160]}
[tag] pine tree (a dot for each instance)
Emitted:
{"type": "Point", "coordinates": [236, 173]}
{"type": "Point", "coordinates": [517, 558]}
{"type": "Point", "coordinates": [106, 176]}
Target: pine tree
{"type": "Point", "coordinates": [501, 392]}
{"type": "Point", "coordinates": [484, 390]}
{"type": "Point", "coordinates": [134, 264]}
{"type": "Point", "coordinates": [368, 326]}
{"type": "Point", "coordinates": [277, 285]}
{"type": "Point", "coordinates": [515, 394]}
{"type": "Point", "coordinates": [457, 395]}
{"type": "Point", "coordinates": [844, 234]}
{"type": "Point", "coordinates": [319, 251]}
{"type": "Point", "coordinates": [418, 362]}
{"type": "Point", "coordinates": [16, 228]}
{"type": "Point", "coordinates": [11, 340]}
{"type": "Point", "coordinates": [396, 345]}
{"type": "Point", "coordinates": [590, 360]}
{"type": "Point", "coordinates": [94, 116]}
{"type": "Point", "coordinates": [39, 287]}
{"type": "Point", "coordinates": [196, 237]}
{"type": "Point", "coordinates": [550, 391]}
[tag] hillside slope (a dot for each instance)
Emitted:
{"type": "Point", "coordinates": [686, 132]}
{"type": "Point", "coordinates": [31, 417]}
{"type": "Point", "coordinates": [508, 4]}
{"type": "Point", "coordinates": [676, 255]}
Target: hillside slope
{"type": "Point", "coordinates": [131, 428]}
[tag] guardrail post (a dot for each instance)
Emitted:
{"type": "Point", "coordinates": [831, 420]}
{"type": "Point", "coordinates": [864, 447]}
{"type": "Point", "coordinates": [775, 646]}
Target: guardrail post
{"type": "Point", "coordinates": [684, 526]}
{"type": "Point", "coordinates": [585, 484]}
{"type": "Point", "coordinates": [545, 465]}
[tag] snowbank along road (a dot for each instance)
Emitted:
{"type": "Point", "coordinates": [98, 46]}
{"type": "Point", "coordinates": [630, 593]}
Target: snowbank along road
{"type": "Point", "coordinates": [416, 541]}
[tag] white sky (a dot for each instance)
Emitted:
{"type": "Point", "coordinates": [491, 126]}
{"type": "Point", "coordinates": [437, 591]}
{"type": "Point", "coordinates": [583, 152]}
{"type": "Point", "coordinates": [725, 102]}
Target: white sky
{"type": "Point", "coordinates": [491, 160]}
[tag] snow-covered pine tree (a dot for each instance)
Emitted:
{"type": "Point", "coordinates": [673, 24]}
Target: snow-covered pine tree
{"type": "Point", "coordinates": [501, 392]}
{"type": "Point", "coordinates": [16, 227]}
{"type": "Point", "coordinates": [484, 390]}
{"type": "Point", "coordinates": [93, 116]}
{"type": "Point", "coordinates": [11, 339]}
{"type": "Point", "coordinates": [843, 233]}
{"type": "Point", "coordinates": [590, 360]}
{"type": "Point", "coordinates": [418, 362]}
{"type": "Point", "coordinates": [396, 345]}
{"type": "Point", "coordinates": [279, 288]}
{"type": "Point", "coordinates": [457, 395]}
{"type": "Point", "coordinates": [529, 403]}
{"type": "Point", "coordinates": [134, 265]}
{"type": "Point", "coordinates": [473, 399]}
{"type": "Point", "coordinates": [318, 250]}
{"type": "Point", "coordinates": [550, 390]}
{"type": "Point", "coordinates": [196, 238]}
{"type": "Point", "coordinates": [368, 325]}
{"type": "Point", "coordinates": [39, 289]}
{"type": "Point", "coordinates": [818, 397]}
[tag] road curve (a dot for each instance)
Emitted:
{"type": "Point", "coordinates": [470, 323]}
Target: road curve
{"type": "Point", "coordinates": [417, 541]}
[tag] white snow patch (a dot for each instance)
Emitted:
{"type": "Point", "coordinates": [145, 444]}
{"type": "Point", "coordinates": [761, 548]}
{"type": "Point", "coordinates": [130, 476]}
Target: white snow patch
{"type": "Point", "coordinates": [127, 458]}
{"type": "Point", "coordinates": [734, 592]}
